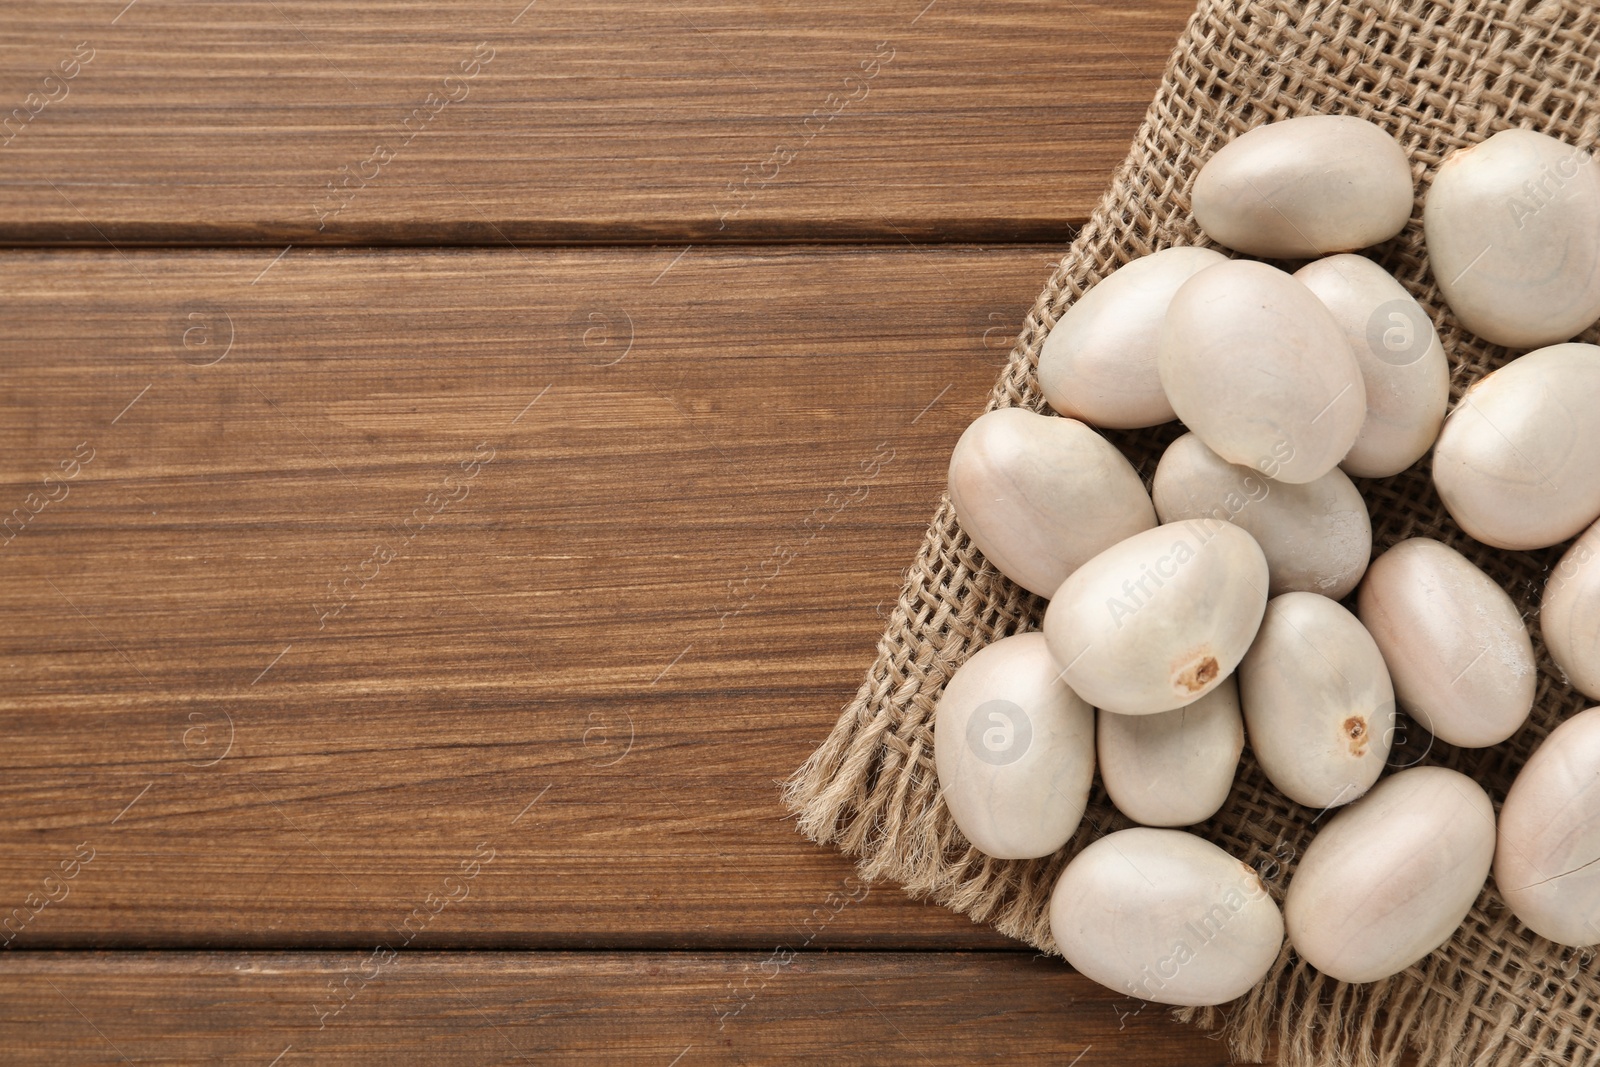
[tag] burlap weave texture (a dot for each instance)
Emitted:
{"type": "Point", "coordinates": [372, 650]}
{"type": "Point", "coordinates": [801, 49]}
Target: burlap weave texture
{"type": "Point", "coordinates": [1438, 76]}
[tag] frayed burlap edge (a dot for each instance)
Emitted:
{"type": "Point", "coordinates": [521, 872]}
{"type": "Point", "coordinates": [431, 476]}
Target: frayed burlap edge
{"type": "Point", "coordinates": [1439, 77]}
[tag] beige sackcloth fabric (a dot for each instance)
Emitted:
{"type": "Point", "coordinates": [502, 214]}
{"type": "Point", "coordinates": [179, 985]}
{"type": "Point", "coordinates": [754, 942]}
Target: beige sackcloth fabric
{"type": "Point", "coordinates": [1438, 76]}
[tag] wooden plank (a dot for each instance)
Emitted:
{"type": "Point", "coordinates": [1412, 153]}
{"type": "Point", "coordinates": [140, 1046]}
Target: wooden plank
{"type": "Point", "coordinates": [565, 121]}
{"type": "Point", "coordinates": [569, 557]}
{"type": "Point", "coordinates": [353, 1008]}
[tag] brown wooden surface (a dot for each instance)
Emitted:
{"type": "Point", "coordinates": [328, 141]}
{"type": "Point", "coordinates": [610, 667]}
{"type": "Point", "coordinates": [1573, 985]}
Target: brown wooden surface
{"type": "Point", "coordinates": [617, 527]}
{"type": "Point", "coordinates": [600, 1008]}
{"type": "Point", "coordinates": [585, 120]}
{"type": "Point", "coordinates": [692, 544]}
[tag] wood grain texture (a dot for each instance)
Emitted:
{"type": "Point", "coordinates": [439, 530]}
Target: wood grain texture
{"type": "Point", "coordinates": [463, 599]}
{"type": "Point", "coordinates": [644, 1008]}
{"type": "Point", "coordinates": [484, 121]}
{"type": "Point", "coordinates": [294, 635]}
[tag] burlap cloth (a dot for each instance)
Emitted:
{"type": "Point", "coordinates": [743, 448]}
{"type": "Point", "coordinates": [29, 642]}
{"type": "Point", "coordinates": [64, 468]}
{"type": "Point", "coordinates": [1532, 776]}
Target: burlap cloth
{"type": "Point", "coordinates": [1439, 77]}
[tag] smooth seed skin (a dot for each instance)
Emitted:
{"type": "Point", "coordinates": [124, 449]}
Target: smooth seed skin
{"type": "Point", "coordinates": [1099, 363]}
{"type": "Point", "coordinates": [1014, 749]}
{"type": "Point", "coordinates": [1161, 619]}
{"type": "Point", "coordinates": [1569, 615]}
{"type": "Point", "coordinates": [1305, 187]}
{"type": "Point", "coordinates": [1317, 537]}
{"type": "Point", "coordinates": [1175, 768]}
{"type": "Point", "coordinates": [1513, 232]}
{"type": "Point", "coordinates": [1545, 863]}
{"type": "Point", "coordinates": [1516, 462]}
{"type": "Point", "coordinates": [1040, 495]}
{"type": "Point", "coordinates": [1403, 364]}
{"type": "Point", "coordinates": [1166, 917]}
{"type": "Point", "coordinates": [1458, 652]}
{"type": "Point", "coordinates": [1259, 369]}
{"type": "Point", "coordinates": [1318, 703]}
{"type": "Point", "coordinates": [1391, 877]}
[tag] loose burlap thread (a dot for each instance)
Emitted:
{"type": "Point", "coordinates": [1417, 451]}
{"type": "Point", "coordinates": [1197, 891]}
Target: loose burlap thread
{"type": "Point", "coordinates": [1439, 77]}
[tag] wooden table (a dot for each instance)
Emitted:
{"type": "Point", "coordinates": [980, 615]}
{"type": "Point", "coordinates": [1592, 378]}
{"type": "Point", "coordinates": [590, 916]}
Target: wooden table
{"type": "Point", "coordinates": [456, 462]}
